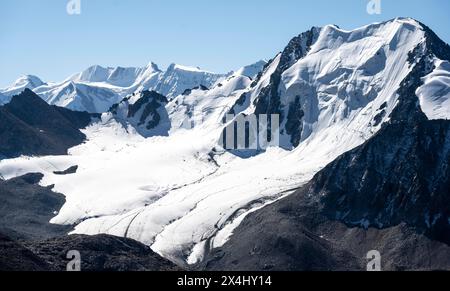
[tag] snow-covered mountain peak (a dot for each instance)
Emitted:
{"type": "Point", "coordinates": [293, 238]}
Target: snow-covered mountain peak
{"type": "Point", "coordinates": [178, 67]}
{"type": "Point", "coordinates": [94, 73]}
{"type": "Point", "coordinates": [327, 77]}
{"type": "Point", "coordinates": [251, 70]}
{"type": "Point", "coordinates": [177, 78]}
{"type": "Point", "coordinates": [391, 32]}
{"type": "Point", "coordinates": [145, 112]}
{"type": "Point", "coordinates": [29, 81]}
{"type": "Point", "coordinates": [24, 82]}
{"type": "Point", "coordinates": [115, 76]}
{"type": "Point", "coordinates": [153, 67]}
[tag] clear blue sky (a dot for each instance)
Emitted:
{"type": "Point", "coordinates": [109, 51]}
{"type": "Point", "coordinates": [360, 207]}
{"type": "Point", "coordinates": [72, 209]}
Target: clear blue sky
{"type": "Point", "coordinates": [39, 37]}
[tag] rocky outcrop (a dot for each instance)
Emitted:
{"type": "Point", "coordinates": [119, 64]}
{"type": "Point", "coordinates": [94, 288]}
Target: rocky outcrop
{"type": "Point", "coordinates": [145, 112]}
{"type": "Point", "coordinates": [69, 171]}
{"type": "Point", "coordinates": [26, 209]}
{"type": "Point", "coordinates": [29, 126]}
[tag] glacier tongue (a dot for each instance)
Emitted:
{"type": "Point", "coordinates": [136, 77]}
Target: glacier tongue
{"type": "Point", "coordinates": [182, 194]}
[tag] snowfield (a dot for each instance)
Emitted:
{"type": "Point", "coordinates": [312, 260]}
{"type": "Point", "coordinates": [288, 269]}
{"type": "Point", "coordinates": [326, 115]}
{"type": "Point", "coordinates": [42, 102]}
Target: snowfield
{"type": "Point", "coordinates": [182, 194]}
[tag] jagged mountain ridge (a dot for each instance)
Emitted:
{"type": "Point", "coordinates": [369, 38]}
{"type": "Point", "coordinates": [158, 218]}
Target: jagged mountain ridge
{"type": "Point", "coordinates": [145, 112]}
{"type": "Point", "coordinates": [97, 88]}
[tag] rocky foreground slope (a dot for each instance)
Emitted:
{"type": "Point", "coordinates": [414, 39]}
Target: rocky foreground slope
{"type": "Point", "coordinates": [97, 253]}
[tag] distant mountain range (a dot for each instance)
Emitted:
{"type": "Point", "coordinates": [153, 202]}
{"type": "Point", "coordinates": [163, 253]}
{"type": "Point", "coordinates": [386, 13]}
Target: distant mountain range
{"type": "Point", "coordinates": [97, 88]}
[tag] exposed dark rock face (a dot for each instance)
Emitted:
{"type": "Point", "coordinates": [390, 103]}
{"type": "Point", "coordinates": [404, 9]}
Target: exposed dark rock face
{"type": "Point", "coordinates": [201, 87]}
{"type": "Point", "coordinates": [147, 114]}
{"type": "Point", "coordinates": [380, 115]}
{"type": "Point", "coordinates": [435, 45]}
{"type": "Point", "coordinates": [29, 126]}
{"type": "Point", "coordinates": [401, 175]}
{"type": "Point", "coordinates": [239, 103]}
{"type": "Point", "coordinates": [77, 118]}
{"type": "Point", "coordinates": [297, 48]}
{"type": "Point", "coordinates": [71, 170]}
{"type": "Point", "coordinates": [294, 124]}
{"type": "Point", "coordinates": [269, 100]}
{"type": "Point", "coordinates": [26, 209]}
{"type": "Point", "coordinates": [149, 103]}
{"type": "Point", "coordinates": [391, 194]}
{"type": "Point", "coordinates": [187, 92]}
